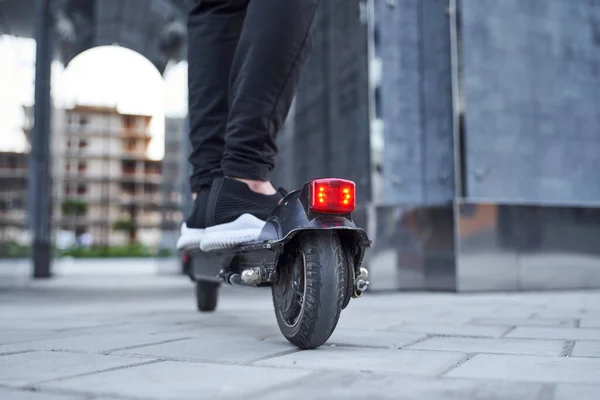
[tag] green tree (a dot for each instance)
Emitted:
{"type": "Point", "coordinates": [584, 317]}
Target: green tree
{"type": "Point", "coordinates": [74, 207]}
{"type": "Point", "coordinates": [127, 226]}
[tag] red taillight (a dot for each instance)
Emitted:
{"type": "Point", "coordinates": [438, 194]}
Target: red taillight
{"type": "Point", "coordinates": [185, 257]}
{"type": "Point", "coordinates": [333, 196]}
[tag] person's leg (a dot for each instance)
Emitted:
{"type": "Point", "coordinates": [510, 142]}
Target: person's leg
{"type": "Point", "coordinates": [273, 47]}
{"type": "Point", "coordinates": [214, 28]}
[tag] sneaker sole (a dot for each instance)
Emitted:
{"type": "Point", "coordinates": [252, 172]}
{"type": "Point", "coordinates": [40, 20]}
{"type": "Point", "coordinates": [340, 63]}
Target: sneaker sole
{"type": "Point", "coordinates": [190, 238]}
{"type": "Point", "coordinates": [246, 228]}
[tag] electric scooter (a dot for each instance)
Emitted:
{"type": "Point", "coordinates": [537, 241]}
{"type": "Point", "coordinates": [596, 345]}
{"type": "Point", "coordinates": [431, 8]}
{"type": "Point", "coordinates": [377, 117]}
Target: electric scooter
{"type": "Point", "coordinates": [310, 252]}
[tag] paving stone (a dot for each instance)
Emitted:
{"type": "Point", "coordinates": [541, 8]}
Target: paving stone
{"type": "Point", "coordinates": [360, 318]}
{"type": "Point", "coordinates": [566, 391]}
{"type": "Point", "coordinates": [8, 336]}
{"type": "Point", "coordinates": [496, 346]}
{"type": "Point", "coordinates": [106, 398]}
{"type": "Point", "coordinates": [370, 338]}
{"type": "Point", "coordinates": [525, 321]}
{"type": "Point", "coordinates": [574, 313]}
{"type": "Point", "coordinates": [337, 358]}
{"type": "Point", "coordinates": [224, 349]}
{"type": "Point", "coordinates": [95, 343]}
{"type": "Point", "coordinates": [555, 333]}
{"type": "Point", "coordinates": [24, 368]}
{"type": "Point", "coordinates": [587, 349]}
{"type": "Point", "coordinates": [369, 386]}
{"type": "Point", "coordinates": [61, 323]}
{"type": "Point", "coordinates": [453, 330]}
{"type": "Point", "coordinates": [233, 330]}
{"type": "Point", "coordinates": [10, 394]}
{"type": "Point", "coordinates": [180, 381]}
{"type": "Point", "coordinates": [530, 368]}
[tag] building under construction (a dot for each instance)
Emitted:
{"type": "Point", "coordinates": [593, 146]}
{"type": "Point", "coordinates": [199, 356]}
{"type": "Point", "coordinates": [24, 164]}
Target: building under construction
{"type": "Point", "coordinates": [104, 183]}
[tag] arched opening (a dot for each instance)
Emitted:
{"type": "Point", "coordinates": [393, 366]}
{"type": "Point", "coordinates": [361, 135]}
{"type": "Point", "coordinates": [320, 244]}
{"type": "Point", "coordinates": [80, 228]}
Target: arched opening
{"type": "Point", "coordinates": [16, 81]}
{"type": "Point", "coordinates": [107, 147]}
{"type": "Point", "coordinates": [113, 76]}
{"type": "Point", "coordinates": [176, 95]}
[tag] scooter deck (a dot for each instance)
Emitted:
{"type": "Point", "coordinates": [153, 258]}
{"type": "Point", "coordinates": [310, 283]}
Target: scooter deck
{"type": "Point", "coordinates": [210, 265]}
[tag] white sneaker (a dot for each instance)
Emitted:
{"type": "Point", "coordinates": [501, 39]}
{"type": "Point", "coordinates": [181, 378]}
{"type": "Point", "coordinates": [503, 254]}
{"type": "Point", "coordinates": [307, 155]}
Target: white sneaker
{"type": "Point", "coordinates": [246, 228]}
{"type": "Point", "coordinates": [190, 238]}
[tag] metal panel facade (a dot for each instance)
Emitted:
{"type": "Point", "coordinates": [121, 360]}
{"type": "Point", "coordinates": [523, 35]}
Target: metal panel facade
{"type": "Point", "coordinates": [416, 101]}
{"type": "Point", "coordinates": [531, 73]}
{"type": "Point", "coordinates": [349, 144]}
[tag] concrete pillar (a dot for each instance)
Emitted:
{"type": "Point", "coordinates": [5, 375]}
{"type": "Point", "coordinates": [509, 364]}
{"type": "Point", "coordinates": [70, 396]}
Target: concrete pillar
{"type": "Point", "coordinates": [39, 190]}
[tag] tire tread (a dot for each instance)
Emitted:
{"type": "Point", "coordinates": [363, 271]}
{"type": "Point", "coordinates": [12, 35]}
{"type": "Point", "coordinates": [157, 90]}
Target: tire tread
{"type": "Point", "coordinates": [207, 295]}
{"type": "Point", "coordinates": [325, 286]}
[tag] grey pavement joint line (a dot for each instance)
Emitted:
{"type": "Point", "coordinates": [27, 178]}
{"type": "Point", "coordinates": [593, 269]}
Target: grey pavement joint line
{"type": "Point", "coordinates": [137, 346]}
{"type": "Point", "coordinates": [546, 392]}
{"type": "Point", "coordinates": [567, 348]}
{"type": "Point", "coordinates": [35, 384]}
{"type": "Point", "coordinates": [478, 352]}
{"type": "Point", "coordinates": [460, 362]}
{"type": "Point", "coordinates": [356, 346]}
{"type": "Point", "coordinates": [78, 393]}
{"type": "Point", "coordinates": [177, 359]}
{"type": "Point", "coordinates": [270, 356]}
{"type": "Point", "coordinates": [419, 340]}
{"type": "Point", "coordinates": [70, 351]}
{"type": "Point", "coordinates": [245, 363]}
{"type": "Point", "coordinates": [438, 335]}
{"type": "Point", "coordinates": [10, 353]}
{"type": "Point", "coordinates": [509, 330]}
{"type": "Point", "coordinates": [11, 386]}
{"type": "Point", "coordinates": [84, 327]}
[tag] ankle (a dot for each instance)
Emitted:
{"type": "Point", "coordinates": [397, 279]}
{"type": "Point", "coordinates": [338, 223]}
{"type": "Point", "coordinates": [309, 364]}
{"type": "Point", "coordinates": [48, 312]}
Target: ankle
{"type": "Point", "coordinates": [262, 187]}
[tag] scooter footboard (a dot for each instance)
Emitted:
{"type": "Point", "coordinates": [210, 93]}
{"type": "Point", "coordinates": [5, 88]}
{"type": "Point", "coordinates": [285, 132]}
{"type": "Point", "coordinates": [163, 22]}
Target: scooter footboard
{"type": "Point", "coordinates": [207, 266]}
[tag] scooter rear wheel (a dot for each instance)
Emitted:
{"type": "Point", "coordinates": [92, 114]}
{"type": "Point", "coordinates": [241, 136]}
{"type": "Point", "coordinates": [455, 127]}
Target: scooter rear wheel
{"type": "Point", "coordinates": [207, 295]}
{"type": "Point", "coordinates": [309, 292]}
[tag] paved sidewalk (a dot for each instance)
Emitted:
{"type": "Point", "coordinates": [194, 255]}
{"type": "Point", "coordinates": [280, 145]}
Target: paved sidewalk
{"type": "Point", "coordinates": [139, 337]}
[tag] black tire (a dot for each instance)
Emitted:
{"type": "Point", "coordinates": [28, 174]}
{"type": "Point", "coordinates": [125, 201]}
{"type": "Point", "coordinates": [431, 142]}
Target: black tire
{"type": "Point", "coordinates": [308, 312]}
{"type": "Point", "coordinates": [349, 291]}
{"type": "Point", "coordinates": [207, 295]}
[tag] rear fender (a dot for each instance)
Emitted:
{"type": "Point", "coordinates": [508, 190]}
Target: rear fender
{"type": "Point", "coordinates": [292, 215]}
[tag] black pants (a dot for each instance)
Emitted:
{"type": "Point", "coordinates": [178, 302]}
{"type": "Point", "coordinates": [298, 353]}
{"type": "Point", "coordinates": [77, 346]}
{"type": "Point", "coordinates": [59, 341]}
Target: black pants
{"type": "Point", "coordinates": [244, 60]}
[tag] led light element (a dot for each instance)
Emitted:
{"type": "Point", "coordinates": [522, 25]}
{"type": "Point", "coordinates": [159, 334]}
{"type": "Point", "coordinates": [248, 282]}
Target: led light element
{"type": "Point", "coordinates": [332, 196]}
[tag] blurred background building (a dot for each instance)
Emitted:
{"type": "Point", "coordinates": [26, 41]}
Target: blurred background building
{"type": "Point", "coordinates": [471, 128]}
{"type": "Point", "coordinates": [13, 196]}
{"type": "Point", "coordinates": [105, 183]}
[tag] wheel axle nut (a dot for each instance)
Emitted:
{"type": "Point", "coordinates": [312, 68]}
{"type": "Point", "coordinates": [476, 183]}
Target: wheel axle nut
{"type": "Point", "coordinates": [361, 285]}
{"type": "Point", "coordinates": [252, 276]}
{"type": "Point", "coordinates": [364, 274]}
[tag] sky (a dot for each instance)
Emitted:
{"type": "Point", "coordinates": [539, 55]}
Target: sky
{"type": "Point", "coordinates": [107, 75]}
